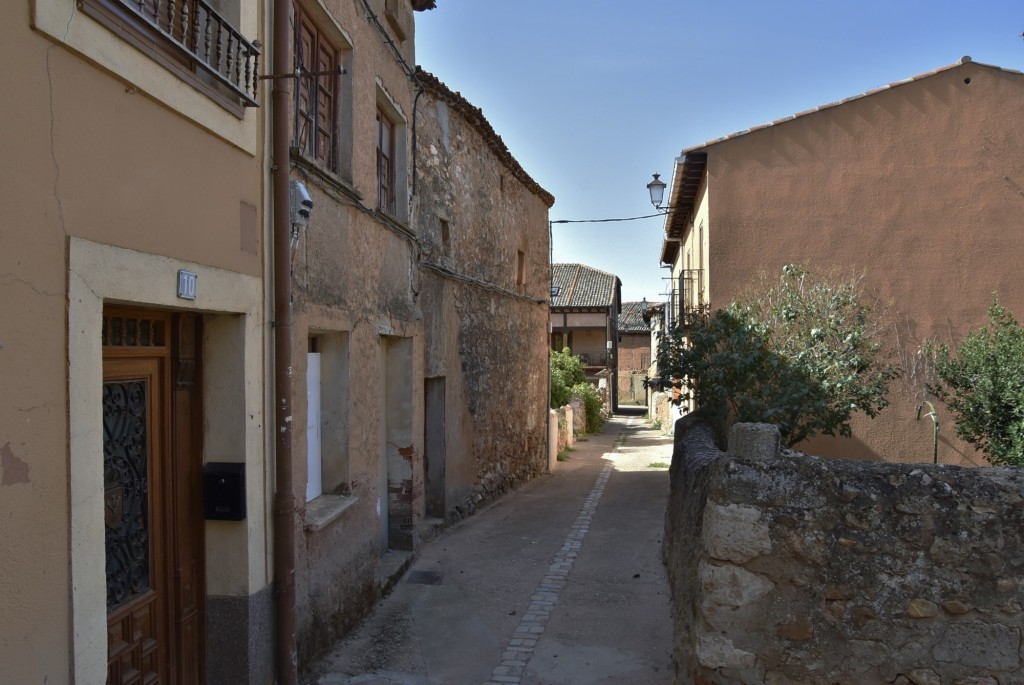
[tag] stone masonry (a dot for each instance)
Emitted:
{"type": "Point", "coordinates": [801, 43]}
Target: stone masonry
{"type": "Point", "coordinates": [793, 570]}
{"type": "Point", "coordinates": [485, 283]}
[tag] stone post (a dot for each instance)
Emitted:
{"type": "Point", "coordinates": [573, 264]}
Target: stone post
{"type": "Point", "coordinates": [552, 439]}
{"type": "Point", "coordinates": [755, 440]}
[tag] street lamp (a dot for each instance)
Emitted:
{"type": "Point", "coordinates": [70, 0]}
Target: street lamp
{"type": "Point", "coordinates": [657, 190]}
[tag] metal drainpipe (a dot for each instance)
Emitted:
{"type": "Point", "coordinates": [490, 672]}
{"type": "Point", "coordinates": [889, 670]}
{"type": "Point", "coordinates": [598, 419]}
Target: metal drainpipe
{"type": "Point", "coordinates": [284, 496]}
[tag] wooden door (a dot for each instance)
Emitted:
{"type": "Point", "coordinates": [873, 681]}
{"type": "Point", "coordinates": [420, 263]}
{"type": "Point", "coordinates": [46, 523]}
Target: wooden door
{"type": "Point", "coordinates": [153, 510]}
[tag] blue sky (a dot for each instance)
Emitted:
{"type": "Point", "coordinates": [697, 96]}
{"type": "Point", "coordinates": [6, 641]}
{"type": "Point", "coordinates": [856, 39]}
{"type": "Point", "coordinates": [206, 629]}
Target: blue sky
{"type": "Point", "coordinates": [593, 96]}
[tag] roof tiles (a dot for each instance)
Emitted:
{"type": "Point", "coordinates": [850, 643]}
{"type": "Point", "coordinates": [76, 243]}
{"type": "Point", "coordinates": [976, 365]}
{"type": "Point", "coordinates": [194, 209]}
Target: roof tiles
{"type": "Point", "coordinates": [582, 286]}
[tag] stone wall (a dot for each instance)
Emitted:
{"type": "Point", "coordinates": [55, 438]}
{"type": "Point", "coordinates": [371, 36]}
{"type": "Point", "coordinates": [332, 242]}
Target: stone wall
{"type": "Point", "coordinates": [566, 434]}
{"type": "Point", "coordinates": [663, 410]}
{"type": "Point", "coordinates": [790, 569]}
{"type": "Point", "coordinates": [483, 254]}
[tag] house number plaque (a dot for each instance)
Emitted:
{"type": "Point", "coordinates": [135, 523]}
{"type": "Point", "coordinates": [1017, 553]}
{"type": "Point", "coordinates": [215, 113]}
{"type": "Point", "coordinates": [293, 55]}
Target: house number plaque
{"type": "Point", "coordinates": [187, 285]}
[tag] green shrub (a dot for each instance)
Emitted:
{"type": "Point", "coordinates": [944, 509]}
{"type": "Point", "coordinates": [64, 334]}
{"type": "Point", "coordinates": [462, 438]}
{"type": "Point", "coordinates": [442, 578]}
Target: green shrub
{"type": "Point", "coordinates": [591, 403]}
{"type": "Point", "coordinates": [803, 354]}
{"type": "Point", "coordinates": [566, 372]}
{"type": "Point", "coordinates": [983, 385]}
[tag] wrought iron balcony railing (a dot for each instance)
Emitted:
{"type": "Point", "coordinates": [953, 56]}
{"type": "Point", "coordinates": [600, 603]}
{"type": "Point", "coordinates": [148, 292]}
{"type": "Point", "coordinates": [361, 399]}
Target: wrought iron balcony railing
{"type": "Point", "coordinates": [206, 40]}
{"type": "Point", "coordinates": [693, 314]}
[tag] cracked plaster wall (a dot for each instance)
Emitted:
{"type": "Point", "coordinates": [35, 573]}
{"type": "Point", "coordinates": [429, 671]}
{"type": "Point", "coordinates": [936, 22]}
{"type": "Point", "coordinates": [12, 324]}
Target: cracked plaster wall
{"type": "Point", "coordinates": [98, 147]}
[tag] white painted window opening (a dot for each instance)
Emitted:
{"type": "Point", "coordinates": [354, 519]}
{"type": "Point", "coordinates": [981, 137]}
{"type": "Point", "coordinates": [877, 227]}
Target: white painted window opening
{"type": "Point", "coordinates": [314, 463]}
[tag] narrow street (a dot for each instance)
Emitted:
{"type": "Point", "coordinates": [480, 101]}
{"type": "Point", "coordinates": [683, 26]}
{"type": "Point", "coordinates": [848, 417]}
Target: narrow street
{"type": "Point", "coordinates": [558, 583]}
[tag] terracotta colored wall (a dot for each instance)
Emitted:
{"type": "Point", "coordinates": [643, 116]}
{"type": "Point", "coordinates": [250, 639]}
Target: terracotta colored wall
{"type": "Point", "coordinates": [634, 360]}
{"type": "Point", "coordinates": [918, 188]}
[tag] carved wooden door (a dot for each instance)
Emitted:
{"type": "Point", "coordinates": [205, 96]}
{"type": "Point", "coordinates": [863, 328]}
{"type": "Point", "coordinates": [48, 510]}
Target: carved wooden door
{"type": "Point", "coordinates": [151, 473]}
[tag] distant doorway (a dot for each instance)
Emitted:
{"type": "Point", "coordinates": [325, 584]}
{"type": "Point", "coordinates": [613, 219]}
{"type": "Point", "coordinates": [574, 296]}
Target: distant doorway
{"type": "Point", "coordinates": [434, 446]}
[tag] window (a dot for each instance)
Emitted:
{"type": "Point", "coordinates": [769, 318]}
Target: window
{"type": "Point", "coordinates": [520, 268]}
{"type": "Point", "coordinates": [392, 156]}
{"type": "Point", "coordinates": [314, 456]}
{"type": "Point", "coordinates": [316, 106]}
{"type": "Point", "coordinates": [327, 395]}
{"type": "Point", "coordinates": [197, 39]}
{"type": "Point", "coordinates": [385, 163]}
{"type": "Point", "coordinates": [446, 238]}
{"type": "Point", "coordinates": [395, 13]}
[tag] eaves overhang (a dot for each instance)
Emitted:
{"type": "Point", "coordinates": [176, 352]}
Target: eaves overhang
{"type": "Point", "coordinates": [686, 181]}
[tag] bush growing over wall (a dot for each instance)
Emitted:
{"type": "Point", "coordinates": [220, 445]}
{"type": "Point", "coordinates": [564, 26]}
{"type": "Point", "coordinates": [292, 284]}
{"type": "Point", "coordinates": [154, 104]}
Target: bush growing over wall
{"type": "Point", "coordinates": [591, 403]}
{"type": "Point", "coordinates": [983, 385]}
{"type": "Point", "coordinates": [566, 373]}
{"type": "Point", "coordinates": [802, 353]}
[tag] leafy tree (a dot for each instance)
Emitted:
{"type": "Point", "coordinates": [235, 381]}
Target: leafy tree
{"type": "Point", "coordinates": [568, 380]}
{"type": "Point", "coordinates": [983, 385]}
{"type": "Point", "coordinates": [802, 353]}
{"type": "Point", "coordinates": [566, 372]}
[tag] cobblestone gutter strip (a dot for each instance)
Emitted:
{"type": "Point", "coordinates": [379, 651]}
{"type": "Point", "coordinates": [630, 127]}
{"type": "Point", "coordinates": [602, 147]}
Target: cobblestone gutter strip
{"type": "Point", "coordinates": [520, 648]}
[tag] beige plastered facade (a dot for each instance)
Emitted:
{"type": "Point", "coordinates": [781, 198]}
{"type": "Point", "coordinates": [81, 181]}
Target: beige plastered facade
{"type": "Point", "coordinates": [355, 288]}
{"type": "Point", "coordinates": [916, 187]}
{"type": "Point", "coordinates": [116, 176]}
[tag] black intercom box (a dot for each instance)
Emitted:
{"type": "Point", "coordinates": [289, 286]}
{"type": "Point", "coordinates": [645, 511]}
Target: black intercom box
{"type": "Point", "coordinates": [224, 491]}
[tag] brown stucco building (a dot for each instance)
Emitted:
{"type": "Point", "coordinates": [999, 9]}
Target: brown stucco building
{"type": "Point", "coordinates": [916, 186]}
{"type": "Point", "coordinates": [585, 305]}
{"type": "Point", "coordinates": [419, 290]}
{"type": "Point", "coordinates": [634, 360]}
{"type": "Point", "coordinates": [132, 253]}
{"type": "Point", "coordinates": [139, 499]}
{"type": "Point", "coordinates": [357, 336]}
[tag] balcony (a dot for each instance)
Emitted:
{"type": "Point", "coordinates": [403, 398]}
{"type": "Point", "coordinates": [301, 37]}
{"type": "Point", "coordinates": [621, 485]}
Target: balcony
{"type": "Point", "coordinates": [593, 361]}
{"type": "Point", "coordinates": [693, 314]}
{"type": "Point", "coordinates": [191, 37]}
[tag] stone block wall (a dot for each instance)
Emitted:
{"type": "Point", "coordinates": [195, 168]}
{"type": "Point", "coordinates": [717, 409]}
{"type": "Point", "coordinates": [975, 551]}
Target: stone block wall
{"type": "Point", "coordinates": [483, 254]}
{"type": "Point", "coordinates": [793, 570]}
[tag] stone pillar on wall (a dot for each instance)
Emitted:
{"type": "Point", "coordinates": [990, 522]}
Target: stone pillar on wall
{"type": "Point", "coordinates": [755, 440]}
{"type": "Point", "coordinates": [570, 424]}
{"type": "Point", "coordinates": [552, 439]}
{"type": "Point", "coordinates": [578, 416]}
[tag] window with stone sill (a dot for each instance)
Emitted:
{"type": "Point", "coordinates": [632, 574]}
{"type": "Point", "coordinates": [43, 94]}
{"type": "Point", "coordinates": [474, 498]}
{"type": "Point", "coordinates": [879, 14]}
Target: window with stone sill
{"type": "Point", "coordinates": [392, 156]}
{"type": "Point", "coordinates": [198, 40]}
{"type": "Point", "coordinates": [316, 97]}
{"type": "Point", "coordinates": [385, 163]}
{"type": "Point", "coordinates": [327, 415]}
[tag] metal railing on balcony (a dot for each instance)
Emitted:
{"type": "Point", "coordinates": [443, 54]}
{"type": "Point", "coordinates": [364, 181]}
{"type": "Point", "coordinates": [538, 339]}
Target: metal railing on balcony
{"type": "Point", "coordinates": [207, 40]}
{"type": "Point", "coordinates": [694, 314]}
{"type": "Point", "coordinates": [687, 303]}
